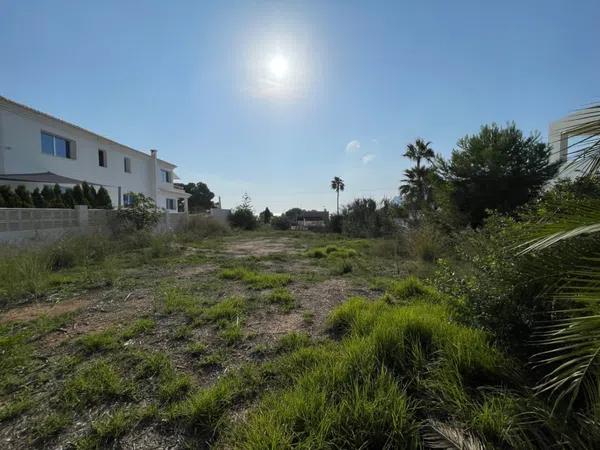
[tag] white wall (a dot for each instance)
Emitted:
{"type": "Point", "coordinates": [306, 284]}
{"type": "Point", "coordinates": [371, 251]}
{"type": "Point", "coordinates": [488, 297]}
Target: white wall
{"type": "Point", "coordinates": [21, 152]}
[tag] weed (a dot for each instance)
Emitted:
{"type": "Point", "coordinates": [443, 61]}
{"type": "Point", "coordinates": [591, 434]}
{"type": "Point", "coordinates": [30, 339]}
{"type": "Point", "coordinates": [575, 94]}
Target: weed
{"type": "Point", "coordinates": [94, 383]}
{"type": "Point", "coordinates": [15, 408]}
{"type": "Point", "coordinates": [50, 426]}
{"type": "Point", "coordinates": [140, 326]}
{"type": "Point", "coordinates": [212, 359]}
{"type": "Point", "coordinates": [283, 297]}
{"type": "Point", "coordinates": [182, 332]}
{"type": "Point", "coordinates": [293, 341]}
{"type": "Point", "coordinates": [174, 388]}
{"type": "Point", "coordinates": [202, 412]}
{"type": "Point", "coordinates": [228, 309]}
{"type": "Point", "coordinates": [99, 342]}
{"type": "Point", "coordinates": [232, 334]}
{"type": "Point", "coordinates": [256, 280]}
{"type": "Point", "coordinates": [107, 430]}
{"type": "Point", "coordinates": [174, 300]}
{"type": "Point", "coordinates": [196, 348]}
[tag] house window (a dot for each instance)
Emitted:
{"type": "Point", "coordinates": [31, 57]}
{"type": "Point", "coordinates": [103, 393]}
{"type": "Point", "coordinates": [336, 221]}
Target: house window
{"type": "Point", "coordinates": [102, 158]}
{"type": "Point", "coordinates": [165, 176]}
{"type": "Point", "coordinates": [171, 203]}
{"type": "Point", "coordinates": [128, 199]}
{"type": "Point", "coordinates": [127, 164]}
{"type": "Point", "coordinates": [57, 146]}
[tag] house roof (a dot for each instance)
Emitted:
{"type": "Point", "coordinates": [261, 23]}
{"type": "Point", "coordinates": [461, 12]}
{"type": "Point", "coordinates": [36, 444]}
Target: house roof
{"type": "Point", "coordinates": [42, 177]}
{"type": "Point", "coordinates": [64, 122]}
{"type": "Point", "coordinates": [314, 215]}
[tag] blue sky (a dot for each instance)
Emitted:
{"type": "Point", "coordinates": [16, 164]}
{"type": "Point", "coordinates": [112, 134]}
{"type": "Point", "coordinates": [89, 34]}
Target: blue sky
{"type": "Point", "coordinates": [194, 80]}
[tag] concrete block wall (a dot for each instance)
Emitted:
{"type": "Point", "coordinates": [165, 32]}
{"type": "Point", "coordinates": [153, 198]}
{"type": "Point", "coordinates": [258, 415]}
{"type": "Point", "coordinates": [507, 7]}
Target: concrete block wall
{"type": "Point", "coordinates": [20, 225]}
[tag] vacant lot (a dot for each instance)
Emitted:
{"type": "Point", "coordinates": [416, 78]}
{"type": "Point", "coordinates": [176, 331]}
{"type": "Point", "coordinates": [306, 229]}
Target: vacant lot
{"type": "Point", "coordinates": [115, 352]}
{"type": "Point", "coordinates": [250, 341]}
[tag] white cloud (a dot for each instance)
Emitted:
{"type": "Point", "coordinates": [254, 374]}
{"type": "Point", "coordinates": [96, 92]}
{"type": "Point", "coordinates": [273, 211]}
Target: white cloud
{"type": "Point", "coordinates": [375, 141]}
{"type": "Point", "coordinates": [367, 158]}
{"type": "Point", "coordinates": [352, 146]}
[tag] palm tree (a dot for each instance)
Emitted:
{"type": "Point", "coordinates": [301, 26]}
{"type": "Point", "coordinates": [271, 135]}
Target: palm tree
{"type": "Point", "coordinates": [337, 184]}
{"type": "Point", "coordinates": [571, 344]}
{"type": "Point", "coordinates": [415, 187]}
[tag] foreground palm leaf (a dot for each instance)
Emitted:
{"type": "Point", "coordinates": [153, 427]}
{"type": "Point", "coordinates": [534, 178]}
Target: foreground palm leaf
{"type": "Point", "coordinates": [571, 346]}
{"type": "Point", "coordinates": [443, 436]}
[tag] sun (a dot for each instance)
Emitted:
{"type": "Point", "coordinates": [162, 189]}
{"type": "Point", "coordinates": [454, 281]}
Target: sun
{"type": "Point", "coordinates": [278, 66]}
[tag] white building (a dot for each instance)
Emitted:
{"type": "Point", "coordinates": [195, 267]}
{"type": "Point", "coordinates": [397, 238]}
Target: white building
{"type": "Point", "coordinates": [569, 135]}
{"type": "Point", "coordinates": [37, 149]}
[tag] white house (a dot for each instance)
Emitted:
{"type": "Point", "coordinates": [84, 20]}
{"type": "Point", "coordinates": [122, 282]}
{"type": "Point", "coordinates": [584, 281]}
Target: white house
{"type": "Point", "coordinates": [37, 149]}
{"type": "Point", "coordinates": [570, 134]}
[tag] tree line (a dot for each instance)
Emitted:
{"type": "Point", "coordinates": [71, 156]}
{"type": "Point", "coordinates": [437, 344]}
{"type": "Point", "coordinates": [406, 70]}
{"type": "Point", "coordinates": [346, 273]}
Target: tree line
{"type": "Point", "coordinates": [55, 197]}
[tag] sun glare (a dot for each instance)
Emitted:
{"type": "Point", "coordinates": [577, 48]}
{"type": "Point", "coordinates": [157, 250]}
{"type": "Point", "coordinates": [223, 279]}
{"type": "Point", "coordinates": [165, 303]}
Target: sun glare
{"type": "Point", "coordinates": [278, 66]}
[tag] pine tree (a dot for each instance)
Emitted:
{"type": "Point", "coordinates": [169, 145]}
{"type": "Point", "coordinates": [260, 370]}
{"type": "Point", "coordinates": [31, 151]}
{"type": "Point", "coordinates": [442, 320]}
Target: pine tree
{"type": "Point", "coordinates": [38, 200]}
{"type": "Point", "coordinates": [103, 200]}
{"type": "Point", "coordinates": [24, 196]}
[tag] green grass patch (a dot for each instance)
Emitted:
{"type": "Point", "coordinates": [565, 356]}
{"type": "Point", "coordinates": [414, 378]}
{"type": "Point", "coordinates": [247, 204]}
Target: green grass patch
{"type": "Point", "coordinates": [50, 426]}
{"type": "Point", "coordinates": [15, 408]}
{"type": "Point", "coordinates": [232, 333]}
{"type": "Point", "coordinates": [173, 300]}
{"type": "Point", "coordinates": [228, 309]}
{"type": "Point", "coordinates": [94, 383]}
{"type": "Point", "coordinates": [282, 297]}
{"type": "Point", "coordinates": [256, 280]}
{"type": "Point", "coordinates": [202, 412]}
{"type": "Point", "coordinates": [293, 341]}
{"type": "Point", "coordinates": [106, 430]}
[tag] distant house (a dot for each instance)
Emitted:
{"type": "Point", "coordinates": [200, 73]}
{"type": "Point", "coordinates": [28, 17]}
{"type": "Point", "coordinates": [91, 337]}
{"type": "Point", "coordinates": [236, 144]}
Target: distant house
{"type": "Point", "coordinates": [37, 149]}
{"type": "Point", "coordinates": [311, 219]}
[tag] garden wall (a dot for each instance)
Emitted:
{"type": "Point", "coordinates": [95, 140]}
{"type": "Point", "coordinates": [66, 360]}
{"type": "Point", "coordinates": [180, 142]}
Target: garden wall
{"type": "Point", "coordinates": [20, 225]}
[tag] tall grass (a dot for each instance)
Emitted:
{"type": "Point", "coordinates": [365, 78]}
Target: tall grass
{"type": "Point", "coordinates": [393, 370]}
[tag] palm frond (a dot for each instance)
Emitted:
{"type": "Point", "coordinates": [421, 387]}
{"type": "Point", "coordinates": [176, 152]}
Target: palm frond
{"type": "Point", "coordinates": [443, 436]}
{"type": "Point", "coordinates": [573, 220]}
{"type": "Point", "coordinates": [572, 349]}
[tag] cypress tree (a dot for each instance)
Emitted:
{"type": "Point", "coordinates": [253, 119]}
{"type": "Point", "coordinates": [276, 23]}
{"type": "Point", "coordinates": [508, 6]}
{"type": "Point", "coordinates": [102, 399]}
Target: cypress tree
{"type": "Point", "coordinates": [103, 200]}
{"type": "Point", "coordinates": [67, 198]}
{"type": "Point", "coordinates": [25, 197]}
{"type": "Point", "coordinates": [78, 197]}
{"type": "Point", "coordinates": [57, 202]}
{"type": "Point", "coordinates": [89, 194]}
{"type": "Point", "coordinates": [48, 196]}
{"type": "Point", "coordinates": [38, 200]}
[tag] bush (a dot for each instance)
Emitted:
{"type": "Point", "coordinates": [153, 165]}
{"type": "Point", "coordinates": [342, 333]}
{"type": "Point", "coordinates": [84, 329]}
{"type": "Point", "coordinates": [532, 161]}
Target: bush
{"type": "Point", "coordinates": [281, 223]}
{"type": "Point", "coordinates": [243, 218]}
{"type": "Point", "coordinates": [363, 218]}
{"type": "Point", "coordinates": [141, 215]}
{"type": "Point", "coordinates": [200, 227]}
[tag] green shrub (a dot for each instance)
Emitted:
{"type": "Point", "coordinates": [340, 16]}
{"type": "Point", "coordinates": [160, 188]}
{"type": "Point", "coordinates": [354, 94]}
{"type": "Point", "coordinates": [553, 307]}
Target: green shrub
{"type": "Point", "coordinates": [280, 223]}
{"type": "Point", "coordinates": [243, 218]}
{"type": "Point", "coordinates": [142, 214]}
